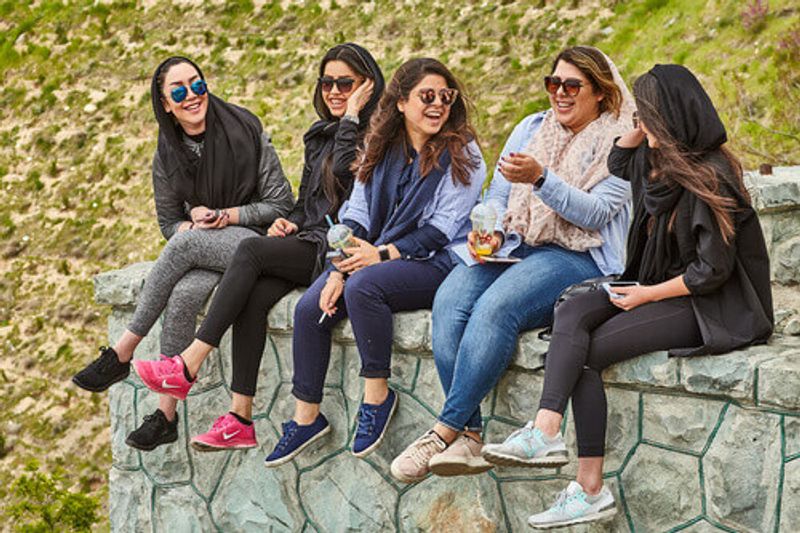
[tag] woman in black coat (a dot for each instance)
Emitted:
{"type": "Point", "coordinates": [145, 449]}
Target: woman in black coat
{"type": "Point", "coordinates": [265, 269]}
{"type": "Point", "coordinates": [698, 257]}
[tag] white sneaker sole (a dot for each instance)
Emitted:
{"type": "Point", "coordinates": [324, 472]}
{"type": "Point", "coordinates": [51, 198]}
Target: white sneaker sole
{"type": "Point", "coordinates": [549, 461]}
{"type": "Point", "coordinates": [205, 447]}
{"type": "Point", "coordinates": [309, 442]}
{"type": "Point", "coordinates": [608, 514]}
{"type": "Point", "coordinates": [374, 446]}
{"type": "Point", "coordinates": [445, 467]}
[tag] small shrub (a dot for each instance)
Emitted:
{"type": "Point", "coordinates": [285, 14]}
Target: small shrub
{"type": "Point", "coordinates": [754, 15]}
{"type": "Point", "coordinates": [40, 502]}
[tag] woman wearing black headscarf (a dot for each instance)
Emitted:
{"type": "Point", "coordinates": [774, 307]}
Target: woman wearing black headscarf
{"type": "Point", "coordinates": [264, 270]}
{"type": "Point", "coordinates": [217, 180]}
{"type": "Point", "coordinates": [695, 248]}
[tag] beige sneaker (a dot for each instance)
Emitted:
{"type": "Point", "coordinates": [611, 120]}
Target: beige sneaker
{"type": "Point", "coordinates": [412, 465]}
{"type": "Point", "coordinates": [462, 458]}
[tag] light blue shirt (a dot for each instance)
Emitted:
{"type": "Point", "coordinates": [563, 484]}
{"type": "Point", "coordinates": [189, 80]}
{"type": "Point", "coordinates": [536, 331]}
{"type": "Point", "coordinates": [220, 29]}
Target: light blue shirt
{"type": "Point", "coordinates": [605, 208]}
{"type": "Point", "coordinates": [449, 209]}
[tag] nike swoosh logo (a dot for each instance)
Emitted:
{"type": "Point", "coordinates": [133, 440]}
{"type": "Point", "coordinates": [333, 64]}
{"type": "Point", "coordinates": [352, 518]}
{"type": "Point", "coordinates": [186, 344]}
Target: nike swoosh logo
{"type": "Point", "coordinates": [165, 385]}
{"type": "Point", "coordinates": [225, 436]}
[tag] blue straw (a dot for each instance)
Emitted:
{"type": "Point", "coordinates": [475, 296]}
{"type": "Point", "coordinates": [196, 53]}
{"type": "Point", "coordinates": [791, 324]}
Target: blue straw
{"type": "Point", "coordinates": [330, 222]}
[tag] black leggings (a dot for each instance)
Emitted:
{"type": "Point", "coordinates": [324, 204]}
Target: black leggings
{"type": "Point", "coordinates": [589, 334]}
{"type": "Point", "coordinates": [262, 271]}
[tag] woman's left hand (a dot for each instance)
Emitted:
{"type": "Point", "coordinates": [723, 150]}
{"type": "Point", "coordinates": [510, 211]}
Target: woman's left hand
{"type": "Point", "coordinates": [362, 255]}
{"type": "Point", "coordinates": [633, 296]}
{"type": "Point", "coordinates": [520, 168]}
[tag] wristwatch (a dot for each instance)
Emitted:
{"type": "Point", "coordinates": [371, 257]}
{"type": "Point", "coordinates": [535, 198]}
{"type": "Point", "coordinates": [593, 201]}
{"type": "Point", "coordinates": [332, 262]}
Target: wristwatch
{"type": "Point", "coordinates": [383, 253]}
{"type": "Point", "coordinates": [540, 180]}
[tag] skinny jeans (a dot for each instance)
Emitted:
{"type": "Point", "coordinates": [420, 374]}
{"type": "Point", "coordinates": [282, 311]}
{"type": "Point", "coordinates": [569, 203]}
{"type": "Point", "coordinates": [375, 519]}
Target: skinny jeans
{"type": "Point", "coordinates": [591, 334]}
{"type": "Point", "coordinates": [263, 270]}
{"type": "Point", "coordinates": [480, 311]}
{"type": "Point", "coordinates": [371, 296]}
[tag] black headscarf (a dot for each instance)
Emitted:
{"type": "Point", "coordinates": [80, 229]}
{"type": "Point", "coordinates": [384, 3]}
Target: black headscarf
{"type": "Point", "coordinates": [319, 137]}
{"type": "Point", "coordinates": [693, 122]}
{"type": "Point", "coordinates": [226, 173]}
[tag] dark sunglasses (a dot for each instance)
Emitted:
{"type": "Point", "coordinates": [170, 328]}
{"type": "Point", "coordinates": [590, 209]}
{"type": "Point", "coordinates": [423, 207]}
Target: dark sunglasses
{"type": "Point", "coordinates": [345, 85]}
{"type": "Point", "coordinates": [571, 86]}
{"type": "Point", "coordinates": [179, 94]}
{"type": "Point", "coordinates": [446, 96]}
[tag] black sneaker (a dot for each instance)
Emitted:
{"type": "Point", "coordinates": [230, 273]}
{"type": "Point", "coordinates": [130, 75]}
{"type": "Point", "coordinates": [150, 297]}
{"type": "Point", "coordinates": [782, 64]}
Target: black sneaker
{"type": "Point", "coordinates": [102, 372]}
{"type": "Point", "coordinates": [154, 431]}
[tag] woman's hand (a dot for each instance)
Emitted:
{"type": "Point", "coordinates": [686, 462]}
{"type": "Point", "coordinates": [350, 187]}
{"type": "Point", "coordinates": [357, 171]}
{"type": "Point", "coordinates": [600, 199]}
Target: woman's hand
{"type": "Point", "coordinates": [520, 168]}
{"type": "Point", "coordinates": [281, 228]}
{"type": "Point", "coordinates": [359, 98]}
{"type": "Point", "coordinates": [496, 240]}
{"type": "Point", "coordinates": [220, 222]}
{"type": "Point", "coordinates": [363, 254]}
{"type": "Point", "coordinates": [331, 292]}
{"type": "Point", "coordinates": [632, 139]}
{"type": "Point", "coordinates": [633, 296]}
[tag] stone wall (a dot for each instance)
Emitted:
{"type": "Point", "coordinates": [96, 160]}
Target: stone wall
{"type": "Point", "coordinates": [701, 444]}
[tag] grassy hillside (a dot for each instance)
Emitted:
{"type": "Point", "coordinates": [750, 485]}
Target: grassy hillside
{"type": "Point", "coordinates": [77, 137]}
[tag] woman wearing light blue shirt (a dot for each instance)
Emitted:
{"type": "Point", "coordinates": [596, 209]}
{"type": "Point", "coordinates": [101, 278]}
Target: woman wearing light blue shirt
{"type": "Point", "coordinates": [418, 177]}
{"type": "Point", "coordinates": [563, 217]}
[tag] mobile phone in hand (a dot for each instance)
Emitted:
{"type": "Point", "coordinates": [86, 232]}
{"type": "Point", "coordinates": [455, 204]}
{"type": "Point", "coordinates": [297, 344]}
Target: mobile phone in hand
{"type": "Point", "coordinates": [612, 284]}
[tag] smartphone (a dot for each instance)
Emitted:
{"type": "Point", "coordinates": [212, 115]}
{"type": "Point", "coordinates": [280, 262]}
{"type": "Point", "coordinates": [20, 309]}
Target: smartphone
{"type": "Point", "coordinates": [611, 284]}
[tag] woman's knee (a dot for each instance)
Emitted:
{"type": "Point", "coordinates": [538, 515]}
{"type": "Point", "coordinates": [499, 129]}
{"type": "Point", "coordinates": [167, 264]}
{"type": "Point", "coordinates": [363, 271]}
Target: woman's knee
{"type": "Point", "coordinates": [362, 286]}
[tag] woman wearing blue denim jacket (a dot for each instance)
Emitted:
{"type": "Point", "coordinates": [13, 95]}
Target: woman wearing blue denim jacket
{"type": "Point", "coordinates": [563, 216]}
{"type": "Point", "coordinates": [419, 175]}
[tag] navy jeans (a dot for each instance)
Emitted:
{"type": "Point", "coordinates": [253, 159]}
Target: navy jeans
{"type": "Point", "coordinates": [370, 297]}
{"type": "Point", "coordinates": [478, 313]}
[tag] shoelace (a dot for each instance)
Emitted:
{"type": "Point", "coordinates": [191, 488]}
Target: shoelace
{"type": "Point", "coordinates": [419, 451]}
{"type": "Point", "coordinates": [367, 417]}
{"type": "Point", "coordinates": [106, 361]}
{"type": "Point", "coordinates": [289, 430]}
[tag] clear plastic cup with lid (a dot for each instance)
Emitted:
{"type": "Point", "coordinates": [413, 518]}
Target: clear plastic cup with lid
{"type": "Point", "coordinates": [484, 218]}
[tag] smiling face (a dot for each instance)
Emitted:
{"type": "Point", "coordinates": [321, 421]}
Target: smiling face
{"type": "Point", "coordinates": [335, 99]}
{"type": "Point", "coordinates": [423, 121]}
{"type": "Point", "coordinates": [191, 112]}
{"type": "Point", "coordinates": [575, 112]}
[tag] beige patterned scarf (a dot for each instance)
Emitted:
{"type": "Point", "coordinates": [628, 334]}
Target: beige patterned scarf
{"type": "Point", "coordinates": [580, 160]}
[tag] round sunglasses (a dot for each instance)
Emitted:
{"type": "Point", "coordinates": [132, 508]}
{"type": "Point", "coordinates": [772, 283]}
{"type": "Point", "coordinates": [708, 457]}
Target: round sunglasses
{"type": "Point", "coordinates": [572, 86]}
{"type": "Point", "coordinates": [446, 96]}
{"type": "Point", "coordinates": [179, 94]}
{"type": "Point", "coordinates": [344, 85]}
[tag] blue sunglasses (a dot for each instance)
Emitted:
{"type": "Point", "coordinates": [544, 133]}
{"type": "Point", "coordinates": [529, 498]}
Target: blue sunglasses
{"type": "Point", "coordinates": [179, 94]}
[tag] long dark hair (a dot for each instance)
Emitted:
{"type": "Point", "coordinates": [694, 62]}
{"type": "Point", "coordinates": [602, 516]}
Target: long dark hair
{"type": "Point", "coordinates": [349, 54]}
{"type": "Point", "coordinates": [691, 169]}
{"type": "Point", "coordinates": [387, 126]}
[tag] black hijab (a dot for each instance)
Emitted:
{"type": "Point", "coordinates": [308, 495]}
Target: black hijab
{"type": "Point", "coordinates": [318, 139]}
{"type": "Point", "coordinates": [693, 122]}
{"type": "Point", "coordinates": [226, 172]}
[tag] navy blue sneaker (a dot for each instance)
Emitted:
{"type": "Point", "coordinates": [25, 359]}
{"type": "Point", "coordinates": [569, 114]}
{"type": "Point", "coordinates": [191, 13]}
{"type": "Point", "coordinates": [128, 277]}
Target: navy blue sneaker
{"type": "Point", "coordinates": [295, 439]}
{"type": "Point", "coordinates": [372, 423]}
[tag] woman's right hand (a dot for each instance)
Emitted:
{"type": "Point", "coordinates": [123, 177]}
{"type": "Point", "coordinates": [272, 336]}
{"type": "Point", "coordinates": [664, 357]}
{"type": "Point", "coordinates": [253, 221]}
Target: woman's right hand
{"type": "Point", "coordinates": [496, 240]}
{"type": "Point", "coordinates": [331, 292]}
{"type": "Point", "coordinates": [632, 139]}
{"type": "Point", "coordinates": [200, 213]}
{"type": "Point", "coordinates": [281, 228]}
{"type": "Point", "coordinates": [359, 98]}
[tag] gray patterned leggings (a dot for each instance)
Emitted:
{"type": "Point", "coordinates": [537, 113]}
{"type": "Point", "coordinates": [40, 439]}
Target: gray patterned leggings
{"type": "Point", "coordinates": [188, 269]}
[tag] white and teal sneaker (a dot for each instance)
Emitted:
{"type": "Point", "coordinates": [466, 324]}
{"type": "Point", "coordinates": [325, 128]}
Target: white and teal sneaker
{"type": "Point", "coordinates": [528, 446]}
{"type": "Point", "coordinates": [574, 506]}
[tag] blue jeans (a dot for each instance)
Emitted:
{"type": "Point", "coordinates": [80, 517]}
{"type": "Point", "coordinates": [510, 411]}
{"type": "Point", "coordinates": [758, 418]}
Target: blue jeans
{"type": "Point", "coordinates": [478, 313]}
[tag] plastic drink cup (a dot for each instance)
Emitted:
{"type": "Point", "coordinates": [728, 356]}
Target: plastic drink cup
{"type": "Point", "coordinates": [483, 217]}
{"type": "Point", "coordinates": [340, 236]}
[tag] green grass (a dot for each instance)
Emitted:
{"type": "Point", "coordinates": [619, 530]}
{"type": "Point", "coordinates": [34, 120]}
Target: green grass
{"type": "Point", "coordinates": [76, 194]}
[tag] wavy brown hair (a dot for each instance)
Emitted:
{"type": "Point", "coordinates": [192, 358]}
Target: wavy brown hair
{"type": "Point", "coordinates": [693, 171]}
{"type": "Point", "coordinates": [387, 127]}
{"type": "Point", "coordinates": [591, 62]}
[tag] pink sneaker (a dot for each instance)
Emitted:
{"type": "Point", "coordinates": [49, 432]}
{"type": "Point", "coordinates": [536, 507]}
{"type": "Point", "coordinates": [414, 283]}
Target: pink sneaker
{"type": "Point", "coordinates": [226, 433]}
{"type": "Point", "coordinates": [164, 376]}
